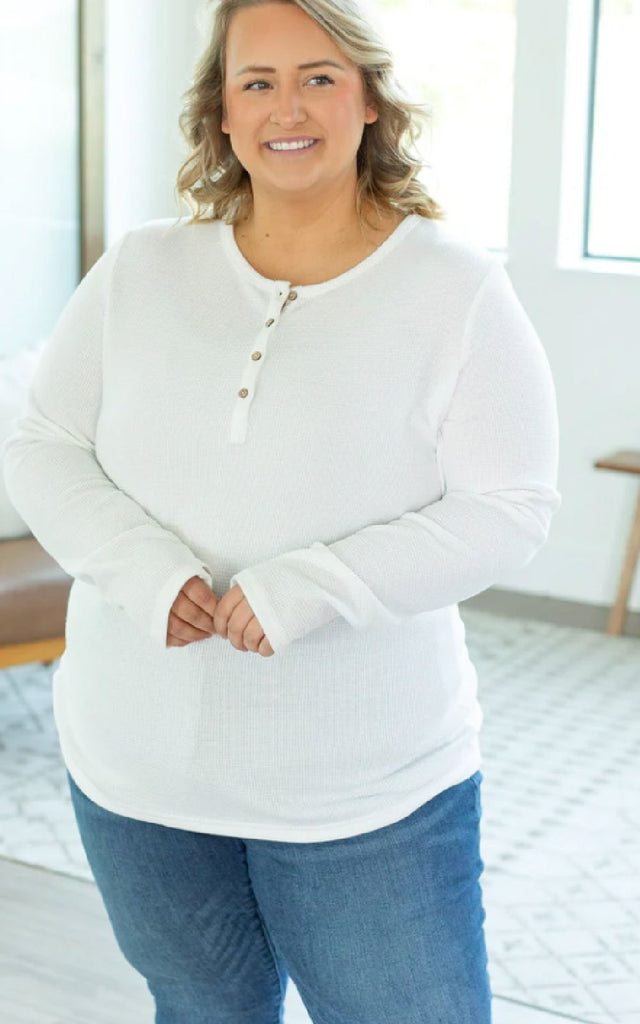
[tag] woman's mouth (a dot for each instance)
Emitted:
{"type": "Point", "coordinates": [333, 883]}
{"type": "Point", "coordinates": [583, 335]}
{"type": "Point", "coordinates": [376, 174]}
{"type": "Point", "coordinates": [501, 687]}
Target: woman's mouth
{"type": "Point", "coordinates": [291, 148]}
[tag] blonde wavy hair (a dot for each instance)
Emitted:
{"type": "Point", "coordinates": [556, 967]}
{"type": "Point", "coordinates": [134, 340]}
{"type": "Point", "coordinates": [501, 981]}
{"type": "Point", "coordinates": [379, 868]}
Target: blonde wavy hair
{"type": "Point", "coordinates": [216, 186]}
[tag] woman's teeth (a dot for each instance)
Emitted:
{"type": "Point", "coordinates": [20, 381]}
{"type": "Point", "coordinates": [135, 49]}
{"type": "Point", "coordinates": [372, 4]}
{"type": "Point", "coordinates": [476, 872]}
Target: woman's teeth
{"type": "Point", "coordinates": [292, 145]}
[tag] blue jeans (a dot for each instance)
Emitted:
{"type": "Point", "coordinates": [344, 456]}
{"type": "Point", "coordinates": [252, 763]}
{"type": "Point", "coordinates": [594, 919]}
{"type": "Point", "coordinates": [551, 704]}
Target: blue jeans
{"type": "Point", "coordinates": [385, 927]}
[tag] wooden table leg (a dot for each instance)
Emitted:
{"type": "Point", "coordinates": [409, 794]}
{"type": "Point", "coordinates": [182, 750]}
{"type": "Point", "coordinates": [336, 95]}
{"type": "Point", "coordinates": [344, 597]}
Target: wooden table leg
{"type": "Point", "coordinates": [619, 612]}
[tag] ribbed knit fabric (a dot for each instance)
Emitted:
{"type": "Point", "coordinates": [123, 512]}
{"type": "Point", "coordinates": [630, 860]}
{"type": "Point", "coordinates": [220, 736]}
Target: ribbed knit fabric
{"type": "Point", "coordinates": [358, 455]}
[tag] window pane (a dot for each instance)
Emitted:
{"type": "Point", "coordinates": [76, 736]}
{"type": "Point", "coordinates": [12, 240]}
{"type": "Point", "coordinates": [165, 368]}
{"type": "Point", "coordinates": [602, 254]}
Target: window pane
{"type": "Point", "coordinates": [39, 224]}
{"type": "Point", "coordinates": [458, 56]}
{"type": "Point", "coordinates": [614, 214]}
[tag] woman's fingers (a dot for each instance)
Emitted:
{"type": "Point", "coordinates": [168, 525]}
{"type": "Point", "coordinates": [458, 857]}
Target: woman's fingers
{"type": "Point", "coordinates": [192, 614]}
{"type": "Point", "coordinates": [197, 591]}
{"type": "Point", "coordinates": [183, 630]}
{"type": "Point", "coordinates": [192, 618]}
{"type": "Point", "coordinates": [188, 619]}
{"type": "Point", "coordinates": [174, 641]}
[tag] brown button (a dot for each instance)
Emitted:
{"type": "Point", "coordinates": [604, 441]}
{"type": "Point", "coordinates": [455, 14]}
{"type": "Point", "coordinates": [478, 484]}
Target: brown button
{"type": "Point", "coordinates": [269, 322]}
{"type": "Point", "coordinates": [256, 356]}
{"type": "Point", "coordinates": [293, 296]}
{"type": "Point", "coordinates": [243, 393]}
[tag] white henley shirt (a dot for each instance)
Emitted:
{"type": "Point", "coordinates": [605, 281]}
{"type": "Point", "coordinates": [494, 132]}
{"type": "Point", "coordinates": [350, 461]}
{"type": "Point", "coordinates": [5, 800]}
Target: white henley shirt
{"type": "Point", "coordinates": [358, 455]}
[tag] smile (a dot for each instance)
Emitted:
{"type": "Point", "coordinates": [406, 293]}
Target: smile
{"type": "Point", "coordinates": [291, 147]}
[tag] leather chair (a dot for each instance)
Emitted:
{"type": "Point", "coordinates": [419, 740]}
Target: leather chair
{"type": "Point", "coordinates": [34, 592]}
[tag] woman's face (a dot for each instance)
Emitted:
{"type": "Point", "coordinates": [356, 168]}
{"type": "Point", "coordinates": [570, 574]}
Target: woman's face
{"type": "Point", "coordinates": [287, 102]}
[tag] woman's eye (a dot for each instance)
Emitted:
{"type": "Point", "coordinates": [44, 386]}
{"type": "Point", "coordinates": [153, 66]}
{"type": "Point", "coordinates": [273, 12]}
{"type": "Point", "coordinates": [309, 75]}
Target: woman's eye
{"type": "Point", "coordinates": [261, 81]}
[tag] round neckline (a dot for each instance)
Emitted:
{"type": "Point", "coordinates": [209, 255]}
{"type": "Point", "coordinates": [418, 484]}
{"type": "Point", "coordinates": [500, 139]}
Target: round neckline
{"type": "Point", "coordinates": [268, 283]}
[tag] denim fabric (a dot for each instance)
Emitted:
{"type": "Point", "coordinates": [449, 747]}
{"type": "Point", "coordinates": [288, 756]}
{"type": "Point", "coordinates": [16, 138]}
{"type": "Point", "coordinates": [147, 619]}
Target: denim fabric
{"type": "Point", "coordinates": [385, 927]}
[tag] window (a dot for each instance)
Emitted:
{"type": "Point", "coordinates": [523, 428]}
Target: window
{"type": "Point", "coordinates": [39, 167]}
{"type": "Point", "coordinates": [458, 56]}
{"type": "Point", "coordinates": [613, 216]}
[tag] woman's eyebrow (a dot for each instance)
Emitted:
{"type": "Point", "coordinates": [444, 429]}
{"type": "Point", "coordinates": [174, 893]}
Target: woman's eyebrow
{"type": "Point", "coordinates": [301, 67]}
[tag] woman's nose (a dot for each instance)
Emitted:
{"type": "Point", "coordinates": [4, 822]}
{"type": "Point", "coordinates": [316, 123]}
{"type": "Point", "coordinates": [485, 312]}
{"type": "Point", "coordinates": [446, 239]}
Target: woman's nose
{"type": "Point", "coordinates": [288, 107]}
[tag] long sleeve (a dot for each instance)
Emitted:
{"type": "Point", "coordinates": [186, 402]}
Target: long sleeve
{"type": "Point", "coordinates": [497, 454]}
{"type": "Point", "coordinates": [92, 528]}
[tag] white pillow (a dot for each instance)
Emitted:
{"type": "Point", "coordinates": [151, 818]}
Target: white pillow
{"type": "Point", "coordinates": [16, 373]}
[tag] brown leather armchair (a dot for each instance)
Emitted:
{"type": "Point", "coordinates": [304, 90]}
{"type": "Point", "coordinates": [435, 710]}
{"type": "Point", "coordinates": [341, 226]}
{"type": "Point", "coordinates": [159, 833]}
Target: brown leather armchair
{"type": "Point", "coordinates": [34, 592]}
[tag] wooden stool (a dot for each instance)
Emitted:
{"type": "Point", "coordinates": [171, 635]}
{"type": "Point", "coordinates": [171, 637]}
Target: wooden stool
{"type": "Point", "coordinates": [624, 462]}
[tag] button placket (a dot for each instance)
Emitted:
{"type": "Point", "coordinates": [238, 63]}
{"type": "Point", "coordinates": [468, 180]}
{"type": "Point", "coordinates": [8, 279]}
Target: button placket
{"type": "Point", "coordinates": [246, 393]}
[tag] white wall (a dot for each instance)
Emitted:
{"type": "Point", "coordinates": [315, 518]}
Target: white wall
{"type": "Point", "coordinates": [587, 313]}
{"type": "Point", "coordinates": [151, 49]}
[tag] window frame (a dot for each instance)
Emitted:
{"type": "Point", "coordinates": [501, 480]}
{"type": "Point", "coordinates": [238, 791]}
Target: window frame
{"type": "Point", "coordinates": [593, 86]}
{"type": "Point", "coordinates": [91, 101]}
{"type": "Point", "coordinates": [553, 231]}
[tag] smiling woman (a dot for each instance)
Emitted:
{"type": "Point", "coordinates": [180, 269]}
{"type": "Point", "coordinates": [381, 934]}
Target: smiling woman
{"type": "Point", "coordinates": [365, 127]}
{"type": "Point", "coordinates": [276, 445]}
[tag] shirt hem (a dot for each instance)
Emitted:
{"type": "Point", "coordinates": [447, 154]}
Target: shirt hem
{"type": "Point", "coordinates": [284, 833]}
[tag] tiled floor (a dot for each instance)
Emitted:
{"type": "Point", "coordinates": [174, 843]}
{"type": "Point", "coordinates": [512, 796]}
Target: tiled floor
{"type": "Point", "coordinates": [561, 811]}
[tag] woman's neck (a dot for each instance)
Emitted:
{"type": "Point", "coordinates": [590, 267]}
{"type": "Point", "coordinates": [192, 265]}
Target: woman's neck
{"type": "Point", "coordinates": [323, 233]}
{"type": "Point", "coordinates": [304, 259]}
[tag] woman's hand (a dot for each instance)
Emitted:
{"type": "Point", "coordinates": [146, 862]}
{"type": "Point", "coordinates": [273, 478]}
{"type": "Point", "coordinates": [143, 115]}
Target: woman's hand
{"type": "Point", "coordinates": [234, 618]}
{"type": "Point", "coordinates": [197, 614]}
{"type": "Point", "coordinates": [191, 615]}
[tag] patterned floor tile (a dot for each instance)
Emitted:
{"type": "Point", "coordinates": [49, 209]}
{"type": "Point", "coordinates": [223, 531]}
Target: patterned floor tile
{"type": "Point", "coordinates": [538, 972]}
{"type": "Point", "coordinates": [573, 942]}
{"type": "Point", "coordinates": [619, 998]}
{"type": "Point", "coordinates": [613, 915]}
{"type": "Point", "coordinates": [603, 967]}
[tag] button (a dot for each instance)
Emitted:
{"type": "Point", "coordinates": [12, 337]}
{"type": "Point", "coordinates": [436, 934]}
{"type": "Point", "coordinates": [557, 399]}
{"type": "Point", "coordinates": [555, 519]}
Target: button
{"type": "Point", "coordinates": [269, 322]}
{"type": "Point", "coordinates": [256, 356]}
{"type": "Point", "coordinates": [292, 296]}
{"type": "Point", "coordinates": [243, 393]}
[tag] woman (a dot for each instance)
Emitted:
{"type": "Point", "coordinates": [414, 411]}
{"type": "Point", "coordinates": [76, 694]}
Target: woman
{"type": "Point", "coordinates": [308, 423]}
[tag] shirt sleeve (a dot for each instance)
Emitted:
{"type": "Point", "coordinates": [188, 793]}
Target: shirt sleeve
{"type": "Point", "coordinates": [92, 528]}
{"type": "Point", "coordinates": [497, 451]}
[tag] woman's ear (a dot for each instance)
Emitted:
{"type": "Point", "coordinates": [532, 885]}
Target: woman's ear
{"type": "Point", "coordinates": [371, 108]}
{"type": "Point", "coordinates": [371, 113]}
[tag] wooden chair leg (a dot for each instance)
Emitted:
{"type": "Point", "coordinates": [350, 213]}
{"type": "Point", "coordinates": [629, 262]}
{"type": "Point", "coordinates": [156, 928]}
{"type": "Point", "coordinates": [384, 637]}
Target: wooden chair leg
{"type": "Point", "coordinates": [619, 612]}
